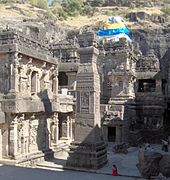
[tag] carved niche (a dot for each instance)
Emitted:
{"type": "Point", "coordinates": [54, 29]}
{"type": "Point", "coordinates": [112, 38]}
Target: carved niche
{"type": "Point", "coordinates": [84, 102]}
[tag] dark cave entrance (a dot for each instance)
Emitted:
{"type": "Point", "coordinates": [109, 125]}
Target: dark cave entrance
{"type": "Point", "coordinates": [111, 134]}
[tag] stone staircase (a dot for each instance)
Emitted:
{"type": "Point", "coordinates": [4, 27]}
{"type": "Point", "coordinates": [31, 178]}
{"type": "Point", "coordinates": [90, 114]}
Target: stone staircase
{"type": "Point", "coordinates": [61, 149]}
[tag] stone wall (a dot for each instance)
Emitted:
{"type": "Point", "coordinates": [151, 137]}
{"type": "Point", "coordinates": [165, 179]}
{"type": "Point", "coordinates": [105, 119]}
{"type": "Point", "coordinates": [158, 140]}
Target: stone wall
{"type": "Point", "coordinates": [30, 101]}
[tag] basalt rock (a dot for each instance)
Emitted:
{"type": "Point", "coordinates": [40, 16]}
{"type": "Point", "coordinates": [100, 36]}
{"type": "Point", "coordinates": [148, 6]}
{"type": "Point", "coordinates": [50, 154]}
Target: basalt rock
{"type": "Point", "coordinates": [165, 165]}
{"type": "Point", "coordinates": [149, 163]}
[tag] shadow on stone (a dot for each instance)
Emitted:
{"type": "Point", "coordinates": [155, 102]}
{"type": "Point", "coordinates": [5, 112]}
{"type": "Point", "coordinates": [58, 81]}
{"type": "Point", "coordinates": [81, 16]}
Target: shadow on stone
{"type": "Point", "coordinates": [148, 163]}
{"type": "Point", "coordinates": [90, 153]}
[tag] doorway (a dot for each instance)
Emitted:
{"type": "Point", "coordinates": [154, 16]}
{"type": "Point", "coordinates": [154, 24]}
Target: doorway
{"type": "Point", "coordinates": [111, 134]}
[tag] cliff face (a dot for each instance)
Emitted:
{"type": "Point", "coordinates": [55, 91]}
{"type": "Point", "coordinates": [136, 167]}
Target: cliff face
{"type": "Point", "coordinates": [156, 39]}
{"type": "Point", "coordinates": [149, 26]}
{"type": "Point", "coordinates": [126, 3]}
{"type": "Point", "coordinates": [38, 29]}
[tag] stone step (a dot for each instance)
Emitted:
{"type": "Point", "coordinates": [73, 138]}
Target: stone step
{"type": "Point", "coordinates": [61, 148]}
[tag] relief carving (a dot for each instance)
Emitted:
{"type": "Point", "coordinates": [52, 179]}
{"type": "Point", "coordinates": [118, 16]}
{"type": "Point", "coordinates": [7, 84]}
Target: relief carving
{"type": "Point", "coordinates": [33, 132]}
{"type": "Point", "coordinates": [84, 98]}
{"type": "Point", "coordinates": [85, 102]}
{"type": "Point", "coordinates": [53, 128]}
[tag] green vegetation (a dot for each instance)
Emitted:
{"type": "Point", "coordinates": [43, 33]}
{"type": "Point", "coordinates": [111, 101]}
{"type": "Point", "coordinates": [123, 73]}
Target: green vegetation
{"type": "Point", "coordinates": [7, 1]}
{"type": "Point", "coordinates": [88, 10]}
{"type": "Point", "coordinates": [166, 10]}
{"type": "Point", "coordinates": [108, 13]}
{"type": "Point", "coordinates": [60, 9]}
{"type": "Point", "coordinates": [71, 8]}
{"type": "Point", "coordinates": [43, 4]}
{"type": "Point", "coordinates": [29, 14]}
{"type": "Point", "coordinates": [166, 1]}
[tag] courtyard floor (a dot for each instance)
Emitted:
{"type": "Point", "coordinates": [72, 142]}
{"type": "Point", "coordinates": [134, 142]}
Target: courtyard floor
{"type": "Point", "coordinates": [56, 169]}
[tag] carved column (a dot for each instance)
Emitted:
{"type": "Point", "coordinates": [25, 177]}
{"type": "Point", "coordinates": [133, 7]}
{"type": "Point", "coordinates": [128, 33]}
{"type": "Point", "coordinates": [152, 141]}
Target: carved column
{"type": "Point", "coordinates": [27, 137]}
{"type": "Point", "coordinates": [158, 85]}
{"type": "Point", "coordinates": [68, 127]}
{"type": "Point", "coordinates": [23, 80]}
{"type": "Point", "coordinates": [14, 137]}
{"type": "Point", "coordinates": [88, 149]}
{"type": "Point", "coordinates": [55, 80]}
{"type": "Point", "coordinates": [0, 142]}
{"type": "Point", "coordinates": [119, 133]}
{"type": "Point", "coordinates": [14, 76]}
{"type": "Point", "coordinates": [71, 128]}
{"type": "Point", "coordinates": [56, 122]}
{"type": "Point", "coordinates": [57, 129]}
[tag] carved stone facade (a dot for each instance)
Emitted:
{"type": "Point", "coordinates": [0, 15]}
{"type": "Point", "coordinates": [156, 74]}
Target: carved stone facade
{"type": "Point", "coordinates": [135, 92]}
{"type": "Point", "coordinates": [88, 150]}
{"type": "Point", "coordinates": [31, 106]}
{"type": "Point", "coordinates": [64, 92]}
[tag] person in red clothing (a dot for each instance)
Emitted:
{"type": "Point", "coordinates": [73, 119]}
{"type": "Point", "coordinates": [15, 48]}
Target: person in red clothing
{"type": "Point", "coordinates": [114, 170]}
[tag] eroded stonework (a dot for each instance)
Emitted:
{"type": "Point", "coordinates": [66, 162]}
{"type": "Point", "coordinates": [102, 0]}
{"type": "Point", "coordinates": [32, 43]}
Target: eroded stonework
{"type": "Point", "coordinates": [32, 110]}
{"type": "Point", "coordinates": [62, 92]}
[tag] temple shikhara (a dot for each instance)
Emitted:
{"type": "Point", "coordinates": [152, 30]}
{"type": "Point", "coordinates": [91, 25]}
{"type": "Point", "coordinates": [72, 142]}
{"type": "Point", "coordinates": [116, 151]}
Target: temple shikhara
{"type": "Point", "coordinates": [79, 93]}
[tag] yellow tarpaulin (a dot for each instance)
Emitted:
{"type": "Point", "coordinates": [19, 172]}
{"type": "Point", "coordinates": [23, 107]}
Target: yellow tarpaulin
{"type": "Point", "coordinates": [113, 25]}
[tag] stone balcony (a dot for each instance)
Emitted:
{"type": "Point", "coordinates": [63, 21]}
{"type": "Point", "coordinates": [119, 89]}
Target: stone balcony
{"type": "Point", "coordinates": [68, 66]}
{"type": "Point", "coordinates": [61, 103]}
{"type": "Point", "coordinates": [66, 103]}
{"type": "Point", "coordinates": [22, 105]}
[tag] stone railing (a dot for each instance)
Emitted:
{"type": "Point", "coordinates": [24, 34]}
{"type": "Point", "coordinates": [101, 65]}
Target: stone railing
{"type": "Point", "coordinates": [67, 90]}
{"type": "Point", "coordinates": [70, 60]}
{"type": "Point", "coordinates": [66, 103]}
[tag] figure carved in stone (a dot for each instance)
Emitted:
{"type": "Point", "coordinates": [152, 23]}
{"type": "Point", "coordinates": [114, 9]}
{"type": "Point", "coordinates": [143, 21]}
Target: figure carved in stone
{"type": "Point", "coordinates": [20, 135]}
{"type": "Point", "coordinates": [84, 98]}
{"type": "Point", "coordinates": [33, 133]}
{"type": "Point", "coordinates": [23, 135]}
{"type": "Point", "coordinates": [53, 132]}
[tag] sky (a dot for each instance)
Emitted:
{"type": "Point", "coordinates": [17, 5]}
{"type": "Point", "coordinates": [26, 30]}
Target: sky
{"type": "Point", "coordinates": [50, 1]}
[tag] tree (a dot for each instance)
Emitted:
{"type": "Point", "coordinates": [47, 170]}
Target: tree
{"type": "Point", "coordinates": [72, 7]}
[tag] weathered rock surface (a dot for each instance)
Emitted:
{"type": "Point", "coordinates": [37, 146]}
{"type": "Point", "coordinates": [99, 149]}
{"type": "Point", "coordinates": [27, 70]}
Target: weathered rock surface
{"type": "Point", "coordinates": [120, 148]}
{"type": "Point", "coordinates": [38, 29]}
{"type": "Point", "coordinates": [141, 15]}
{"type": "Point", "coordinates": [165, 165]}
{"type": "Point", "coordinates": [149, 163]}
{"type": "Point", "coordinates": [156, 39]}
{"type": "Point", "coordinates": [127, 3]}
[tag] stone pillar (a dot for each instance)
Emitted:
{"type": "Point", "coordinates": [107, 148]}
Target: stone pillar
{"type": "Point", "coordinates": [57, 130]}
{"type": "Point", "coordinates": [71, 129]}
{"type": "Point", "coordinates": [55, 85]}
{"type": "Point", "coordinates": [14, 138]}
{"type": "Point", "coordinates": [14, 76]}
{"type": "Point", "coordinates": [88, 149]}
{"type": "Point", "coordinates": [158, 85]}
{"type": "Point", "coordinates": [105, 132]}
{"type": "Point", "coordinates": [71, 77]}
{"type": "Point", "coordinates": [27, 137]}
{"type": "Point", "coordinates": [38, 83]}
{"type": "Point", "coordinates": [56, 121]}
{"type": "Point", "coordinates": [0, 142]}
{"type": "Point", "coordinates": [68, 127]}
{"type": "Point", "coordinates": [55, 80]}
{"type": "Point", "coordinates": [118, 134]}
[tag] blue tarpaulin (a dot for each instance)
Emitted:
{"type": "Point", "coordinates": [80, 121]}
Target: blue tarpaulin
{"type": "Point", "coordinates": [114, 29]}
{"type": "Point", "coordinates": [111, 32]}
